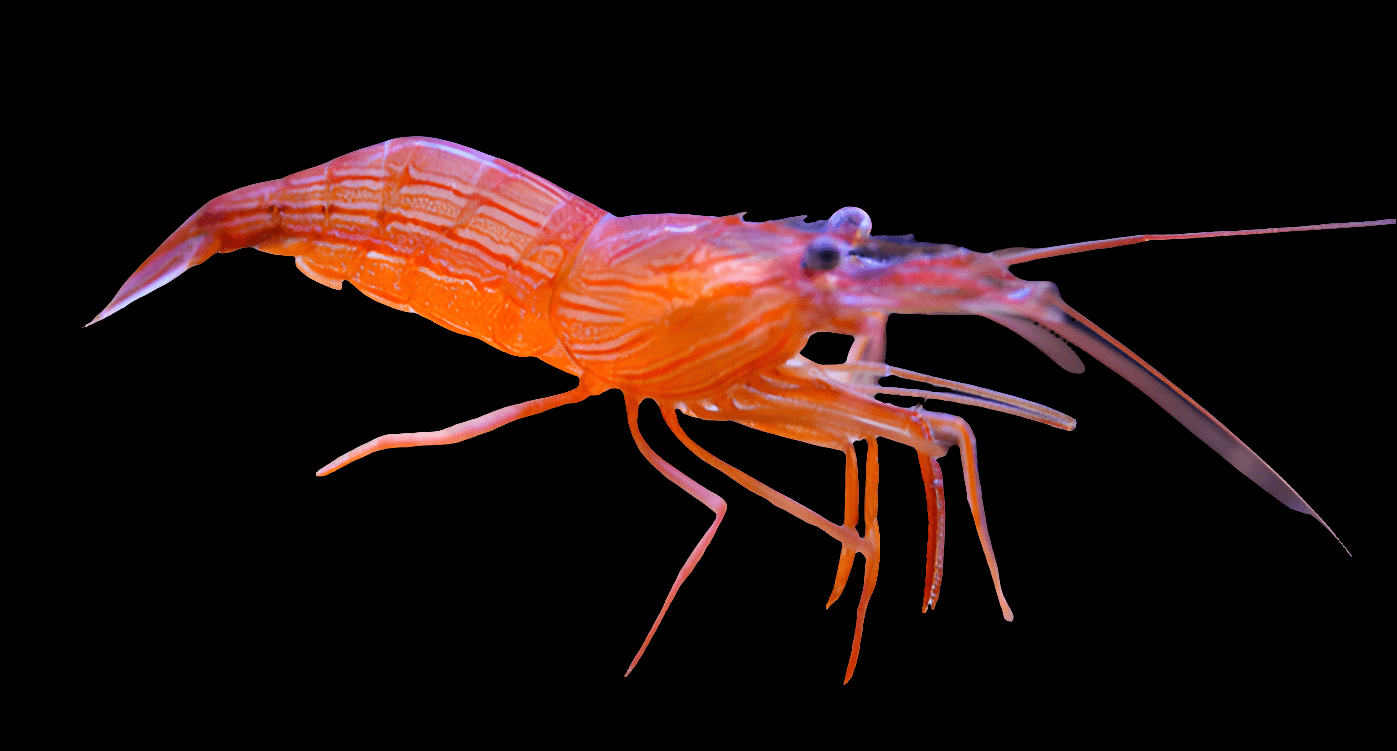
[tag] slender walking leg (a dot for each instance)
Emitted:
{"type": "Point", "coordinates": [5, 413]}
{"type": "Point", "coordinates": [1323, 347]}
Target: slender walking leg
{"type": "Point", "coordinates": [798, 401]}
{"type": "Point", "coordinates": [870, 345]}
{"type": "Point", "coordinates": [847, 535]}
{"type": "Point", "coordinates": [870, 565]}
{"type": "Point", "coordinates": [851, 519]}
{"type": "Point", "coordinates": [969, 463]}
{"type": "Point", "coordinates": [462, 431]}
{"type": "Point", "coordinates": [936, 528]}
{"type": "Point", "coordinates": [705, 496]}
{"type": "Point", "coordinates": [868, 544]}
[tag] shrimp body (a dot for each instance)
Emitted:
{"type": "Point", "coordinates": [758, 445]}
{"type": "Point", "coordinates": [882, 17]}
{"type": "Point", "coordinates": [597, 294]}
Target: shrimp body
{"type": "Point", "coordinates": [704, 315]}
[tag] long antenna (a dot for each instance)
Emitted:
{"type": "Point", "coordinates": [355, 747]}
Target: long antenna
{"type": "Point", "coordinates": [1011, 256]}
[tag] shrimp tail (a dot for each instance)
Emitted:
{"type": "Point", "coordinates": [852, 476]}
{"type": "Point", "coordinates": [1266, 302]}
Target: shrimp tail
{"type": "Point", "coordinates": [172, 259]}
{"type": "Point", "coordinates": [231, 221]}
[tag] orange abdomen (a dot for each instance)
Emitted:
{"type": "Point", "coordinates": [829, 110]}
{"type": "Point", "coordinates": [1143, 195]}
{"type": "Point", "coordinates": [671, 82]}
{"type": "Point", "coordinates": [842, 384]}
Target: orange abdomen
{"type": "Point", "coordinates": [471, 242]}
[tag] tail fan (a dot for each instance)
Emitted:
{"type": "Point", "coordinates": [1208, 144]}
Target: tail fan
{"type": "Point", "coordinates": [243, 218]}
{"type": "Point", "coordinates": [186, 248]}
{"type": "Point", "coordinates": [158, 270]}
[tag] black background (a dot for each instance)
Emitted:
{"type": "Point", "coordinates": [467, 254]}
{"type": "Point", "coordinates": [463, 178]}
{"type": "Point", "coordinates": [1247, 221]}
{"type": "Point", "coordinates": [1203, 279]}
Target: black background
{"type": "Point", "coordinates": [201, 549]}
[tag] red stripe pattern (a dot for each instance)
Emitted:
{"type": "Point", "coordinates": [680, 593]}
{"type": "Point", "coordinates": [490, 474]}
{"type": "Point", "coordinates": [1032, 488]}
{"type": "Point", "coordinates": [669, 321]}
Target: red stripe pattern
{"type": "Point", "coordinates": [673, 305]}
{"type": "Point", "coordinates": [469, 241]}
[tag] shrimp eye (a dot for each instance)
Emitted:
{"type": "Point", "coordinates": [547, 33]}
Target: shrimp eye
{"type": "Point", "coordinates": [821, 255]}
{"type": "Point", "coordinates": [851, 218]}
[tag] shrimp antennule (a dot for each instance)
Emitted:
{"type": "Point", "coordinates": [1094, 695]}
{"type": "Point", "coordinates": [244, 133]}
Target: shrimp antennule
{"type": "Point", "coordinates": [1012, 256]}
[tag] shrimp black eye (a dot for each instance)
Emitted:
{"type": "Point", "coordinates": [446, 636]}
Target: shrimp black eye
{"type": "Point", "coordinates": [821, 255]}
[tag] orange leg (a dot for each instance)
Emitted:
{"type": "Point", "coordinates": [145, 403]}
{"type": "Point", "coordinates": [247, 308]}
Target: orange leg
{"type": "Point", "coordinates": [705, 496]}
{"type": "Point", "coordinates": [928, 433]}
{"type": "Point", "coordinates": [851, 518]}
{"type": "Point", "coordinates": [969, 462]}
{"type": "Point", "coordinates": [462, 431]}
{"type": "Point", "coordinates": [797, 400]}
{"type": "Point", "coordinates": [936, 528]}
{"type": "Point", "coordinates": [871, 559]}
{"type": "Point", "coordinates": [869, 346]}
{"type": "Point", "coordinates": [847, 534]}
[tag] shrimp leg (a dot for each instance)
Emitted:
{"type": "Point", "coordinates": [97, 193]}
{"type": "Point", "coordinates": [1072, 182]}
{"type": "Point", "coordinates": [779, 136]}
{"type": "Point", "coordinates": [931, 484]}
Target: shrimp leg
{"type": "Point", "coordinates": [847, 534]}
{"type": "Point", "coordinates": [869, 348]}
{"type": "Point", "coordinates": [868, 544]}
{"type": "Point", "coordinates": [785, 401]}
{"type": "Point", "coordinates": [870, 345]}
{"type": "Point", "coordinates": [851, 518]}
{"type": "Point", "coordinates": [870, 567]}
{"type": "Point", "coordinates": [462, 431]}
{"type": "Point", "coordinates": [932, 481]}
{"type": "Point", "coordinates": [717, 505]}
{"type": "Point", "coordinates": [970, 467]}
{"type": "Point", "coordinates": [789, 394]}
{"type": "Point", "coordinates": [936, 528]}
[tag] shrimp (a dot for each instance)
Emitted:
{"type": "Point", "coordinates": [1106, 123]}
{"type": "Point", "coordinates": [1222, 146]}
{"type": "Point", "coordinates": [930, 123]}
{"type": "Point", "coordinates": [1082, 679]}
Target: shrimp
{"type": "Point", "coordinates": [705, 316]}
